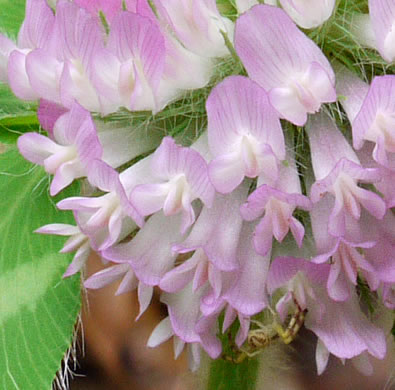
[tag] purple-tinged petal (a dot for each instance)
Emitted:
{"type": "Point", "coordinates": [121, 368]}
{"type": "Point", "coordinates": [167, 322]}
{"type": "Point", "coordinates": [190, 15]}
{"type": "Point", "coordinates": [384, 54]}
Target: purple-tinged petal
{"type": "Point", "coordinates": [17, 76]}
{"type": "Point", "coordinates": [351, 90]}
{"type": "Point", "coordinates": [162, 332]}
{"type": "Point", "coordinates": [149, 252]}
{"type": "Point", "coordinates": [182, 175]}
{"type": "Point", "coordinates": [207, 328]}
{"type": "Point", "coordinates": [375, 120]}
{"type": "Point", "coordinates": [308, 14]}
{"type": "Point", "coordinates": [219, 244]}
{"type": "Point", "coordinates": [6, 47]}
{"type": "Point", "coordinates": [44, 71]}
{"type": "Point", "coordinates": [64, 175]}
{"type": "Point", "coordinates": [184, 312]}
{"type": "Point", "coordinates": [144, 294]}
{"type": "Point", "coordinates": [106, 276]}
{"type": "Point", "coordinates": [37, 26]}
{"type": "Point", "coordinates": [226, 173]}
{"type": "Point", "coordinates": [77, 41]}
{"type": "Point", "coordinates": [179, 277]}
{"type": "Point", "coordinates": [75, 85]}
{"type": "Point", "coordinates": [128, 283]}
{"type": "Point", "coordinates": [328, 145]}
{"type": "Point", "coordinates": [79, 260]}
{"type": "Point", "coordinates": [304, 72]}
{"type": "Point", "coordinates": [36, 147]}
{"type": "Point", "coordinates": [248, 295]}
{"type": "Point", "coordinates": [197, 24]}
{"type": "Point", "coordinates": [281, 271]}
{"type": "Point", "coordinates": [345, 330]}
{"type": "Point", "coordinates": [109, 7]}
{"type": "Point", "coordinates": [382, 18]}
{"type": "Point", "coordinates": [59, 229]}
{"type": "Point", "coordinates": [242, 333]}
{"type": "Point", "coordinates": [244, 133]}
{"type": "Point", "coordinates": [48, 113]}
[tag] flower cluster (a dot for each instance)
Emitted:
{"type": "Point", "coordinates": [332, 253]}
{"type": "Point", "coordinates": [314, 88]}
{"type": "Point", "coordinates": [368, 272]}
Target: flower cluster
{"type": "Point", "coordinates": [207, 224]}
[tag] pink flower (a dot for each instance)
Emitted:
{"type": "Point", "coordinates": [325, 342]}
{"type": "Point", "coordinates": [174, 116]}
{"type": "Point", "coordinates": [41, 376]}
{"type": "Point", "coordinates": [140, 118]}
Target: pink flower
{"type": "Point", "coordinates": [197, 24]}
{"type": "Point", "coordinates": [276, 203]}
{"type": "Point", "coordinates": [305, 78]}
{"type": "Point", "coordinates": [73, 147]}
{"type": "Point", "coordinates": [244, 133]}
{"type": "Point", "coordinates": [338, 171]}
{"type": "Point", "coordinates": [127, 72]}
{"type": "Point", "coordinates": [180, 176]}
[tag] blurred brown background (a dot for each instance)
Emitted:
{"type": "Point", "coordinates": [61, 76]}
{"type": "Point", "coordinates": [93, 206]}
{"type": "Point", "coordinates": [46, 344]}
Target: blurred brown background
{"type": "Point", "coordinates": [115, 355]}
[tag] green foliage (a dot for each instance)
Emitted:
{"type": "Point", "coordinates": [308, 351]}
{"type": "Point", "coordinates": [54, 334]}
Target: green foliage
{"type": "Point", "coordinates": [38, 309]}
{"type": "Point", "coordinates": [11, 16]}
{"type": "Point", "coordinates": [225, 375]}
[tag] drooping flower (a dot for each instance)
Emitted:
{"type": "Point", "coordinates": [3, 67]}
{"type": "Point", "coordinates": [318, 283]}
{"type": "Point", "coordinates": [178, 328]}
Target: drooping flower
{"type": "Point", "coordinates": [149, 252]}
{"type": "Point", "coordinates": [341, 326]}
{"type": "Point", "coordinates": [337, 170]}
{"type": "Point", "coordinates": [208, 233]}
{"type": "Point", "coordinates": [73, 146]}
{"type": "Point", "coordinates": [276, 203]}
{"type": "Point", "coordinates": [110, 217]}
{"type": "Point", "coordinates": [180, 176]}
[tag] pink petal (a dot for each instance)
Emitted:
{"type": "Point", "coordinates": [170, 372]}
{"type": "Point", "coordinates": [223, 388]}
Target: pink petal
{"type": "Point", "coordinates": [58, 229]}
{"type": "Point", "coordinates": [106, 276]}
{"type": "Point", "coordinates": [247, 295]}
{"type": "Point", "coordinates": [6, 47]}
{"type": "Point", "coordinates": [382, 17]}
{"type": "Point", "coordinates": [236, 107]}
{"type": "Point", "coordinates": [162, 332]}
{"type": "Point", "coordinates": [226, 173]}
{"type": "Point", "coordinates": [44, 72]}
{"type": "Point", "coordinates": [135, 37]}
{"type": "Point", "coordinates": [48, 113]}
{"type": "Point", "coordinates": [219, 244]}
{"type": "Point", "coordinates": [17, 76]}
{"type": "Point", "coordinates": [184, 313]}
{"type": "Point", "coordinates": [37, 26]}
{"type": "Point", "coordinates": [36, 147]}
{"type": "Point", "coordinates": [345, 330]}
{"type": "Point", "coordinates": [109, 7]}
{"type": "Point", "coordinates": [149, 252]}
{"type": "Point", "coordinates": [256, 30]}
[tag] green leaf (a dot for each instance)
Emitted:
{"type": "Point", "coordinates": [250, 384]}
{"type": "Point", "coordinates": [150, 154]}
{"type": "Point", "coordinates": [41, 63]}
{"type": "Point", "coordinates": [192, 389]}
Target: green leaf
{"type": "Point", "coordinates": [38, 309]}
{"type": "Point", "coordinates": [226, 375]}
{"type": "Point", "coordinates": [11, 16]}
